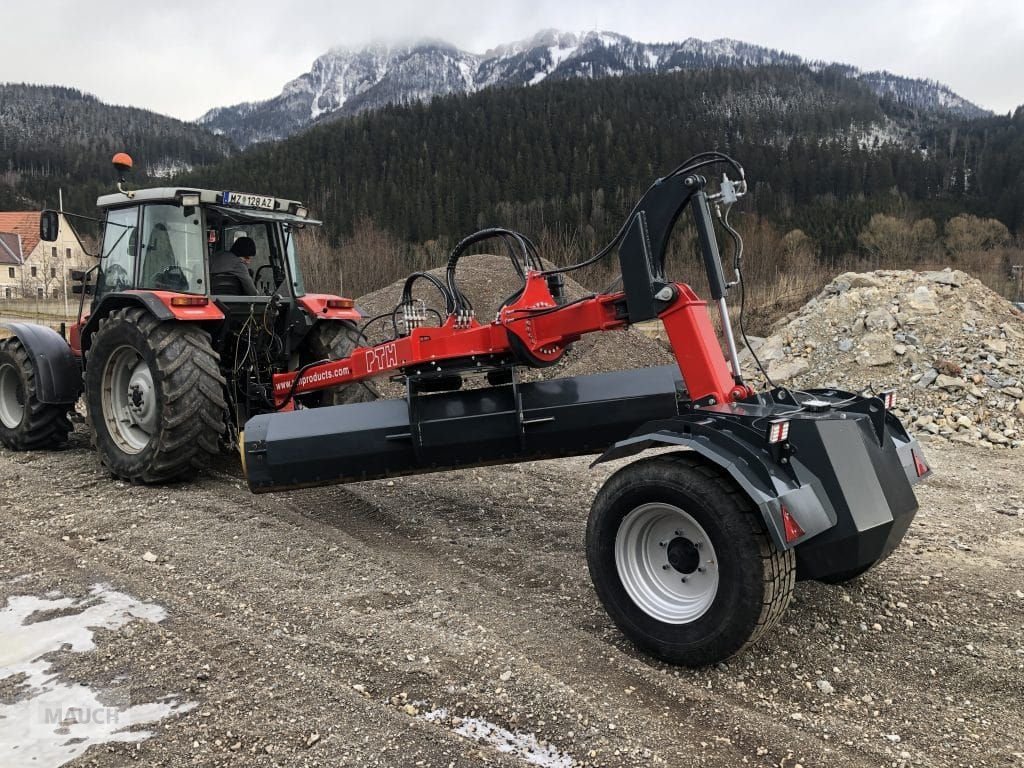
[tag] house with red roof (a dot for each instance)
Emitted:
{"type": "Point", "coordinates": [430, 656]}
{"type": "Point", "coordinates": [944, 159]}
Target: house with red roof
{"type": "Point", "coordinates": [31, 268]}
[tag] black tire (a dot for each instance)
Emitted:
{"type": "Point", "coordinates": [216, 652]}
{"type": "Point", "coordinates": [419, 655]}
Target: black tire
{"type": "Point", "coordinates": [334, 340]}
{"type": "Point", "coordinates": [184, 397]}
{"type": "Point", "coordinates": [25, 423]}
{"type": "Point", "coordinates": [745, 596]}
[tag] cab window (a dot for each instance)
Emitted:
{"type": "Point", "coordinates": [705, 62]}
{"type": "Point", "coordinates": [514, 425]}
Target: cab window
{"type": "Point", "coordinates": [172, 252]}
{"type": "Point", "coordinates": [265, 273]}
{"type": "Point", "coordinates": [117, 257]}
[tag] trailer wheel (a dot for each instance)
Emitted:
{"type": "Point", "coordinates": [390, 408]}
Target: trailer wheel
{"type": "Point", "coordinates": [26, 423]}
{"type": "Point", "coordinates": [334, 340]}
{"type": "Point", "coordinates": [155, 397]}
{"type": "Point", "coordinates": [682, 562]}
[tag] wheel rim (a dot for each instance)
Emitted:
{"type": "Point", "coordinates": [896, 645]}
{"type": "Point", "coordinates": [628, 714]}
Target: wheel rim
{"type": "Point", "coordinates": [129, 400]}
{"type": "Point", "coordinates": [666, 563]}
{"type": "Point", "coordinates": [12, 397]}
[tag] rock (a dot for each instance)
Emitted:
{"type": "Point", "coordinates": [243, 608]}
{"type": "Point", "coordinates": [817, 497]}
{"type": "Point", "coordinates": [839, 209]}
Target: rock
{"type": "Point", "coordinates": [945, 277]}
{"type": "Point", "coordinates": [771, 349]}
{"type": "Point", "coordinates": [149, 557]}
{"type": "Point", "coordinates": [927, 378]}
{"type": "Point", "coordinates": [965, 422]}
{"type": "Point", "coordinates": [505, 676]}
{"type": "Point", "coordinates": [845, 345]}
{"type": "Point", "coordinates": [899, 349]}
{"type": "Point", "coordinates": [825, 686]}
{"type": "Point", "coordinates": [783, 370]}
{"type": "Point", "coordinates": [1016, 392]}
{"type": "Point", "coordinates": [860, 280]}
{"type": "Point", "coordinates": [996, 346]}
{"type": "Point", "coordinates": [942, 381]}
{"type": "Point", "coordinates": [994, 437]}
{"type": "Point", "coordinates": [922, 301]}
{"type": "Point", "coordinates": [948, 367]}
{"type": "Point", "coordinates": [1020, 408]}
{"type": "Point", "coordinates": [313, 739]}
{"type": "Point", "coordinates": [880, 319]}
{"type": "Point", "coordinates": [875, 349]}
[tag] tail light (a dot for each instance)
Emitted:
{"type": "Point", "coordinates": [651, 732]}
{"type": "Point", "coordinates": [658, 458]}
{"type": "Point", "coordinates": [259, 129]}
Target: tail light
{"type": "Point", "coordinates": [189, 301]}
{"type": "Point", "coordinates": [778, 431]}
{"type": "Point", "coordinates": [889, 399]}
{"type": "Point", "coordinates": [341, 303]}
{"type": "Point", "coordinates": [790, 527]}
{"type": "Point", "coordinates": [919, 466]}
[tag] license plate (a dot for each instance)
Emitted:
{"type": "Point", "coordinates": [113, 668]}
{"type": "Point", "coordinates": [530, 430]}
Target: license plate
{"type": "Point", "coordinates": [247, 200]}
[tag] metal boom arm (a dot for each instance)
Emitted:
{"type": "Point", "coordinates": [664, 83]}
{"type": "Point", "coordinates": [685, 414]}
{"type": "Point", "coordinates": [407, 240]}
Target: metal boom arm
{"type": "Point", "coordinates": [535, 330]}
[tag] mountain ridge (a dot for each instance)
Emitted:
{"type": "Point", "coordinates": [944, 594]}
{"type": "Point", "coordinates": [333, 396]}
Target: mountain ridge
{"type": "Point", "coordinates": [346, 81]}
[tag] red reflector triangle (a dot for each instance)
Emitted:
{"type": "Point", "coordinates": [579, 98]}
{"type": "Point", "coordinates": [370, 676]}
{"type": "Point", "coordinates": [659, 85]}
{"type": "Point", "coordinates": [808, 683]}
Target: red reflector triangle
{"type": "Point", "coordinates": [919, 466]}
{"type": "Point", "coordinates": [790, 526]}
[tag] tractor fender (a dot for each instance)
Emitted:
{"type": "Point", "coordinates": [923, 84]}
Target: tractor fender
{"type": "Point", "coordinates": [157, 303]}
{"type": "Point", "coordinates": [58, 373]}
{"type": "Point", "coordinates": [769, 484]}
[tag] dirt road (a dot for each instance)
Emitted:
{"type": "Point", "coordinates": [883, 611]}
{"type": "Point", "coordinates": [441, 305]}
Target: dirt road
{"type": "Point", "coordinates": [365, 625]}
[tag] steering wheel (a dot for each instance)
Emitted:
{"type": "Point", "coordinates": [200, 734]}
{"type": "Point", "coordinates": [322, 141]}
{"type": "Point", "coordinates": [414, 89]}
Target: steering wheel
{"type": "Point", "coordinates": [115, 277]}
{"type": "Point", "coordinates": [172, 278]}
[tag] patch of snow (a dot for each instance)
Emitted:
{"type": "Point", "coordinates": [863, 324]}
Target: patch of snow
{"type": "Point", "coordinates": [524, 746]}
{"type": "Point", "coordinates": [168, 168]}
{"type": "Point", "coordinates": [559, 54]}
{"type": "Point", "coordinates": [52, 721]}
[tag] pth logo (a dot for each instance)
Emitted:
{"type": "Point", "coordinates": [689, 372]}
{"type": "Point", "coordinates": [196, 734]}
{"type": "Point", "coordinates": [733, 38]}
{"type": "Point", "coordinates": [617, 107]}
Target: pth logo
{"type": "Point", "coordinates": [382, 358]}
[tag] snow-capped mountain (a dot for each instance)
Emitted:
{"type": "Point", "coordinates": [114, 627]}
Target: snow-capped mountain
{"type": "Point", "coordinates": [345, 82]}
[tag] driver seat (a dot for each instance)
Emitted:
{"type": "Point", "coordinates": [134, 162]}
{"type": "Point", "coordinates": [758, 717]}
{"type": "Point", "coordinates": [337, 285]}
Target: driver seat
{"type": "Point", "coordinates": [226, 284]}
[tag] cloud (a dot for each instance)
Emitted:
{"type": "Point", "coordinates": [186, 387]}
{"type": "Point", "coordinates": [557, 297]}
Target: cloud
{"type": "Point", "coordinates": [186, 57]}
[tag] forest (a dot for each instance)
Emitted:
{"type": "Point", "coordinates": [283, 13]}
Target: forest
{"type": "Point", "coordinates": [564, 162]}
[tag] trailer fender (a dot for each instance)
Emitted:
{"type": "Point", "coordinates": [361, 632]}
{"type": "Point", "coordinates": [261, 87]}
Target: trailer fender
{"type": "Point", "coordinates": [768, 484]}
{"type": "Point", "coordinates": [58, 374]}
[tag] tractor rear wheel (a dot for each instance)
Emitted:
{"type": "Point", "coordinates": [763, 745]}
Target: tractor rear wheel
{"type": "Point", "coordinates": [26, 423]}
{"type": "Point", "coordinates": [682, 562]}
{"type": "Point", "coordinates": [334, 340]}
{"type": "Point", "coordinates": [155, 396]}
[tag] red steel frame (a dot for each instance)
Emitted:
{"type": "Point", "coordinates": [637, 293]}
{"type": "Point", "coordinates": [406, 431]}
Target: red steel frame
{"type": "Point", "coordinates": [542, 327]}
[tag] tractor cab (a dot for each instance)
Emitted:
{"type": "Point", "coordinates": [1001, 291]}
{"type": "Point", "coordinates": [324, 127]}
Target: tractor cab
{"type": "Point", "coordinates": [171, 239]}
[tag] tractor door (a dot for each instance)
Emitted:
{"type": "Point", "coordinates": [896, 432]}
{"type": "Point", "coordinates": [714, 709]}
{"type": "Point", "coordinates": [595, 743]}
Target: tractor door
{"type": "Point", "coordinates": [117, 255]}
{"type": "Point", "coordinates": [173, 256]}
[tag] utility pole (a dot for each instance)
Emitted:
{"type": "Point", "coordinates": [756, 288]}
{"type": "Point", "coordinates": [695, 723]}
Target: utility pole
{"type": "Point", "coordinates": [64, 268]}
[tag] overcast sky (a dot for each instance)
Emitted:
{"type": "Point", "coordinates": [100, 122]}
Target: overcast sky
{"type": "Point", "coordinates": [182, 58]}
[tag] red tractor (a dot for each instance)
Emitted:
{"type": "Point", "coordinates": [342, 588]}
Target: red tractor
{"type": "Point", "coordinates": [172, 354]}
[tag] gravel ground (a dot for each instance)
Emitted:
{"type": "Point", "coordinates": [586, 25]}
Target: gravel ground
{"type": "Point", "coordinates": [363, 625]}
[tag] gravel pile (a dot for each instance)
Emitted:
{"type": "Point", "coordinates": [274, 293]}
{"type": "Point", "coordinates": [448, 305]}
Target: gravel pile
{"type": "Point", "coordinates": [487, 281]}
{"type": "Point", "coordinates": [950, 346]}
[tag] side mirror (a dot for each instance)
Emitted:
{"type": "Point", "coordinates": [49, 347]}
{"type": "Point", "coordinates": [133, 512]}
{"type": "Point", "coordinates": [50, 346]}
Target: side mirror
{"type": "Point", "coordinates": [78, 275]}
{"type": "Point", "coordinates": [88, 290]}
{"type": "Point", "coordinates": [49, 226]}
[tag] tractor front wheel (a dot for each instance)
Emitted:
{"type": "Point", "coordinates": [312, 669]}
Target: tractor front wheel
{"type": "Point", "coordinates": [25, 422]}
{"type": "Point", "coordinates": [155, 397]}
{"type": "Point", "coordinates": [682, 562]}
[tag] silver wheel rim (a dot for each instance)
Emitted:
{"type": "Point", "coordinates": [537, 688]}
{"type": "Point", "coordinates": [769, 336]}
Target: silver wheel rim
{"type": "Point", "coordinates": [666, 563]}
{"type": "Point", "coordinates": [12, 397]}
{"type": "Point", "coordinates": [129, 400]}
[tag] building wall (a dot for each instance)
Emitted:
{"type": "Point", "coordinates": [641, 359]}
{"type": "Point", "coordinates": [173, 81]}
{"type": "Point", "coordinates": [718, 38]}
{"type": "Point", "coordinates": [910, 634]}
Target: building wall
{"type": "Point", "coordinates": [47, 268]}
